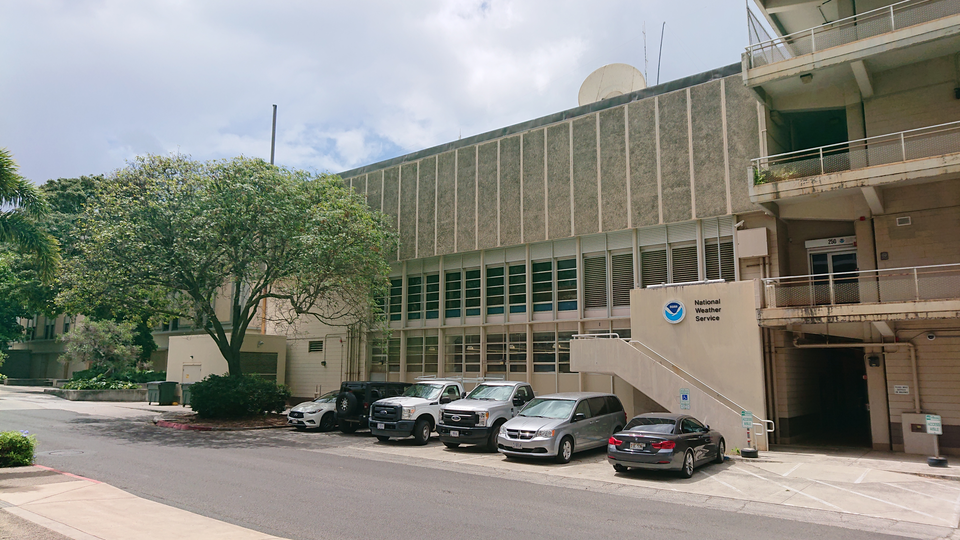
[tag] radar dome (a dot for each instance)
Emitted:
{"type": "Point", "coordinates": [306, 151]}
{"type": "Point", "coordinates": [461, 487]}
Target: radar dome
{"type": "Point", "coordinates": [611, 80]}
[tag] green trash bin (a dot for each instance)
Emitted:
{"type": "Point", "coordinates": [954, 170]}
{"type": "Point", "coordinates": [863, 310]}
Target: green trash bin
{"type": "Point", "coordinates": [153, 392]}
{"type": "Point", "coordinates": [166, 392]}
{"type": "Point", "coordinates": [185, 394]}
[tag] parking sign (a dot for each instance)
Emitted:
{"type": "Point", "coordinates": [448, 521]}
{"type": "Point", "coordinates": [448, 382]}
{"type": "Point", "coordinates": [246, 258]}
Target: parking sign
{"type": "Point", "coordinates": [747, 418]}
{"type": "Point", "coordinates": [684, 398]}
{"type": "Point", "coordinates": [934, 426]}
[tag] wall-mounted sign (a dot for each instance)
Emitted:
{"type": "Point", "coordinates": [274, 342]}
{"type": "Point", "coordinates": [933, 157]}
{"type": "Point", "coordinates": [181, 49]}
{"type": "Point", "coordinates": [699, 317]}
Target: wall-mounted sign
{"type": "Point", "coordinates": [934, 425]}
{"type": "Point", "coordinates": [708, 310]}
{"type": "Point", "coordinates": [901, 389]}
{"type": "Point", "coordinates": [685, 398]}
{"type": "Point", "coordinates": [674, 311]}
{"type": "Point", "coordinates": [837, 242]}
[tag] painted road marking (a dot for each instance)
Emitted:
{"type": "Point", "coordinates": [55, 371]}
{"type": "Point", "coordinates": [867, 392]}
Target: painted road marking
{"type": "Point", "coordinates": [918, 492]}
{"type": "Point", "coordinates": [711, 476]}
{"type": "Point", "coordinates": [819, 500]}
{"type": "Point", "coordinates": [881, 500]}
{"type": "Point", "coordinates": [795, 467]}
{"type": "Point", "coordinates": [862, 476]}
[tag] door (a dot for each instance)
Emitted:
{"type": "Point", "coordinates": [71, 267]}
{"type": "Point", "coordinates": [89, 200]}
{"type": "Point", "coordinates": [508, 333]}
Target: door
{"type": "Point", "coordinates": [191, 373]}
{"type": "Point", "coordinates": [581, 429]}
{"type": "Point", "coordinates": [842, 267]}
{"type": "Point", "coordinates": [695, 435]}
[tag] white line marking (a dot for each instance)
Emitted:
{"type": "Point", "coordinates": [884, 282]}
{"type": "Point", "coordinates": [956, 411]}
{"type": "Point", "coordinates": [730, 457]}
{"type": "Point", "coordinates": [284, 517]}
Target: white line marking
{"type": "Point", "coordinates": [918, 492]}
{"type": "Point", "coordinates": [713, 477]}
{"type": "Point", "coordinates": [862, 476]}
{"type": "Point", "coordinates": [795, 467]}
{"type": "Point", "coordinates": [799, 492]}
{"type": "Point", "coordinates": [940, 485]}
{"type": "Point", "coordinates": [881, 500]}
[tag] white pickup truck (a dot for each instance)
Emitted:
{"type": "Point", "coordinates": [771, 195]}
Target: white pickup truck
{"type": "Point", "coordinates": [416, 412]}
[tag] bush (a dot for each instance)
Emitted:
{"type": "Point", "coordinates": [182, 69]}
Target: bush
{"type": "Point", "coordinates": [16, 448]}
{"type": "Point", "coordinates": [134, 376]}
{"type": "Point", "coordinates": [235, 396]}
{"type": "Point", "coordinates": [2, 377]}
{"type": "Point", "coordinates": [99, 383]}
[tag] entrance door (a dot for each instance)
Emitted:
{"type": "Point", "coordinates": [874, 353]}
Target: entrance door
{"type": "Point", "coordinates": [842, 266]}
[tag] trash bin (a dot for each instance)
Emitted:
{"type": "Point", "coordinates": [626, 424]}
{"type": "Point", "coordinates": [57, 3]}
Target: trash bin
{"type": "Point", "coordinates": [185, 394]}
{"type": "Point", "coordinates": [162, 392]}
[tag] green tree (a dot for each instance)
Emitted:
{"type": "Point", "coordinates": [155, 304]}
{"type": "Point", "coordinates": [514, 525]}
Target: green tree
{"type": "Point", "coordinates": [173, 234]}
{"type": "Point", "coordinates": [21, 204]}
{"type": "Point", "coordinates": [106, 345]}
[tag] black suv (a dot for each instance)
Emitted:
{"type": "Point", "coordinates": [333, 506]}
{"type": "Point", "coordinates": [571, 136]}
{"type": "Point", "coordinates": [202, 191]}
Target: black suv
{"type": "Point", "coordinates": [353, 403]}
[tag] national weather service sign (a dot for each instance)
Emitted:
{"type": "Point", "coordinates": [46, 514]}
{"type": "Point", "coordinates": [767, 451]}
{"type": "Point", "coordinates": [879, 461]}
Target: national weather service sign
{"type": "Point", "coordinates": [674, 311]}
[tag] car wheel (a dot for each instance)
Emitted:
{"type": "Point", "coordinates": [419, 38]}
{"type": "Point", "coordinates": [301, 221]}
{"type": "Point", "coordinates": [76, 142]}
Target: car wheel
{"type": "Point", "coordinates": [383, 438]}
{"type": "Point", "coordinates": [686, 470]}
{"type": "Point", "coordinates": [348, 427]}
{"type": "Point", "coordinates": [721, 449]}
{"type": "Point", "coordinates": [421, 431]}
{"type": "Point", "coordinates": [565, 450]}
{"type": "Point", "coordinates": [492, 439]}
{"type": "Point", "coordinates": [327, 422]}
{"type": "Point", "coordinates": [620, 468]}
{"type": "Point", "coordinates": [346, 403]}
{"type": "Point", "coordinates": [452, 444]}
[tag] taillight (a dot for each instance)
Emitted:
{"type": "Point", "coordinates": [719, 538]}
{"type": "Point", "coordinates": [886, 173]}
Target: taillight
{"type": "Point", "coordinates": [614, 441]}
{"type": "Point", "coordinates": [664, 445]}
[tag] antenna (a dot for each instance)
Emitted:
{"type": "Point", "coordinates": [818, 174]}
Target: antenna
{"type": "Point", "coordinates": [660, 55]}
{"type": "Point", "coordinates": [273, 135]}
{"type": "Point", "coordinates": [644, 51]}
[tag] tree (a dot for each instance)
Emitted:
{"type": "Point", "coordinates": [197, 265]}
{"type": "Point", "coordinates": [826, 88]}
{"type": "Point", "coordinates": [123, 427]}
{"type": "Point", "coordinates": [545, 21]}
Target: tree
{"type": "Point", "coordinates": [173, 234]}
{"type": "Point", "coordinates": [21, 204]}
{"type": "Point", "coordinates": [106, 345]}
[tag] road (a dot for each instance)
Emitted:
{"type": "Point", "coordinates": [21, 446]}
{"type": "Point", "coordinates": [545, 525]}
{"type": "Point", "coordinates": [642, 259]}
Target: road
{"type": "Point", "coordinates": [306, 486]}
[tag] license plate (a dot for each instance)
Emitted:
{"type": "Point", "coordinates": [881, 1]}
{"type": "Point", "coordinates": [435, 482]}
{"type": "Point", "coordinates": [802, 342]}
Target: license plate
{"type": "Point", "coordinates": [296, 422]}
{"type": "Point", "coordinates": [379, 426]}
{"type": "Point", "coordinates": [454, 433]}
{"type": "Point", "coordinates": [637, 445]}
{"type": "Point", "coordinates": [517, 445]}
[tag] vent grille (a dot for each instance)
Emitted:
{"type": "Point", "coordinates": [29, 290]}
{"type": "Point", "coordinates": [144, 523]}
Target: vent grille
{"type": "Point", "coordinates": [595, 282]}
{"type": "Point", "coordinates": [622, 264]}
{"type": "Point", "coordinates": [315, 346]}
{"type": "Point", "coordinates": [723, 267]}
{"type": "Point", "coordinates": [904, 220]}
{"type": "Point", "coordinates": [684, 261]}
{"type": "Point", "coordinates": [653, 267]}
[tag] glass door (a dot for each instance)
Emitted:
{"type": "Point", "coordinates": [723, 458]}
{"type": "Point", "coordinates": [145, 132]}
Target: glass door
{"type": "Point", "coordinates": [839, 268]}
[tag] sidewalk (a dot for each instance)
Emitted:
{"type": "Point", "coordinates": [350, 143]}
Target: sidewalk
{"type": "Point", "coordinates": [41, 503]}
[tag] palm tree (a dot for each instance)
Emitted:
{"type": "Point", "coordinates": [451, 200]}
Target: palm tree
{"type": "Point", "coordinates": [21, 205]}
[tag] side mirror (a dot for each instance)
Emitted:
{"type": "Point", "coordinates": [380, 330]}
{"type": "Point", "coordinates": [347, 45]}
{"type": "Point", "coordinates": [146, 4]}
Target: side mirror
{"type": "Point", "coordinates": [445, 399]}
{"type": "Point", "coordinates": [518, 401]}
{"type": "Point", "coordinates": [579, 416]}
{"type": "Point", "coordinates": [463, 395]}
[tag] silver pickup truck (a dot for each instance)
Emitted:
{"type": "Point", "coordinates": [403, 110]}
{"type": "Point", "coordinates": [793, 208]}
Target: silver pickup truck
{"type": "Point", "coordinates": [477, 418]}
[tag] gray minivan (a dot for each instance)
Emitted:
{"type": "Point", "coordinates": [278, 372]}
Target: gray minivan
{"type": "Point", "coordinates": [558, 425]}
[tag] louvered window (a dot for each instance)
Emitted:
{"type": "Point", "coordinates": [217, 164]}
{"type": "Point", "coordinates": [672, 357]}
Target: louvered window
{"type": "Point", "coordinates": [567, 285]}
{"type": "Point", "coordinates": [414, 354]}
{"type": "Point", "coordinates": [518, 288]}
{"type": "Point", "coordinates": [542, 278]}
{"type": "Point", "coordinates": [622, 278]}
{"type": "Point", "coordinates": [684, 262]}
{"type": "Point", "coordinates": [315, 346]}
{"type": "Point", "coordinates": [414, 297]}
{"type": "Point", "coordinates": [495, 290]}
{"type": "Point", "coordinates": [721, 267]}
{"type": "Point", "coordinates": [653, 267]}
{"type": "Point", "coordinates": [396, 299]}
{"type": "Point", "coordinates": [472, 291]}
{"type": "Point", "coordinates": [433, 296]}
{"type": "Point", "coordinates": [393, 355]}
{"type": "Point", "coordinates": [496, 353]}
{"type": "Point", "coordinates": [595, 282]}
{"type": "Point", "coordinates": [453, 295]}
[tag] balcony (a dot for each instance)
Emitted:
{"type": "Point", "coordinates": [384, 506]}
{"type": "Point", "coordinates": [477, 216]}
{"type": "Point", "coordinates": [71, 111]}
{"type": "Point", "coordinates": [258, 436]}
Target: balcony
{"type": "Point", "coordinates": [922, 292]}
{"type": "Point", "coordinates": [925, 154]}
{"type": "Point", "coordinates": [921, 25]}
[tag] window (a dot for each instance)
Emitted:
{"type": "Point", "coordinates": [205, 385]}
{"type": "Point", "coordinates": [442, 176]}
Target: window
{"type": "Point", "coordinates": [544, 352]}
{"type": "Point", "coordinates": [49, 328]}
{"type": "Point", "coordinates": [378, 361]}
{"type": "Point", "coordinates": [395, 300]}
{"type": "Point", "coordinates": [517, 352]}
{"type": "Point", "coordinates": [685, 266]}
{"type": "Point", "coordinates": [433, 296]}
{"type": "Point", "coordinates": [453, 297]}
{"type": "Point", "coordinates": [393, 355]}
{"type": "Point", "coordinates": [542, 285]}
{"type": "Point", "coordinates": [719, 262]}
{"type": "Point", "coordinates": [414, 354]}
{"type": "Point", "coordinates": [567, 285]}
{"type": "Point", "coordinates": [462, 353]}
{"type": "Point", "coordinates": [496, 353]}
{"type": "Point", "coordinates": [599, 406]}
{"type": "Point", "coordinates": [653, 267]}
{"type": "Point", "coordinates": [315, 346]}
{"type": "Point", "coordinates": [595, 282]}
{"type": "Point", "coordinates": [495, 290]}
{"type": "Point", "coordinates": [451, 392]}
{"type": "Point", "coordinates": [431, 353]}
{"type": "Point", "coordinates": [472, 292]}
{"type": "Point", "coordinates": [583, 408]}
{"type": "Point", "coordinates": [414, 297]}
{"type": "Point", "coordinates": [563, 350]}
{"type": "Point", "coordinates": [524, 392]}
{"type": "Point", "coordinates": [66, 324]}
{"type": "Point", "coordinates": [517, 288]}
{"type": "Point", "coordinates": [622, 278]}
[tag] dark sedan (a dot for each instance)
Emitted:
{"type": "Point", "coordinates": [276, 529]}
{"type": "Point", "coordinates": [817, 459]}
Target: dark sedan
{"type": "Point", "coordinates": [665, 441]}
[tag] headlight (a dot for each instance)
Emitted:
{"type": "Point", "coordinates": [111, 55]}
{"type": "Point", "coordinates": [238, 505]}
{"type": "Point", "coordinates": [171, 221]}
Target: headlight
{"type": "Point", "coordinates": [408, 413]}
{"type": "Point", "coordinates": [503, 430]}
{"type": "Point", "coordinates": [482, 418]}
{"type": "Point", "coordinates": [545, 433]}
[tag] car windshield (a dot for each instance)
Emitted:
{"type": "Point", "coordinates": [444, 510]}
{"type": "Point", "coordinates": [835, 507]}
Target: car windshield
{"type": "Point", "coordinates": [652, 425]}
{"type": "Point", "coordinates": [425, 391]}
{"type": "Point", "coordinates": [329, 397]}
{"type": "Point", "coordinates": [492, 392]}
{"type": "Point", "coordinates": [548, 408]}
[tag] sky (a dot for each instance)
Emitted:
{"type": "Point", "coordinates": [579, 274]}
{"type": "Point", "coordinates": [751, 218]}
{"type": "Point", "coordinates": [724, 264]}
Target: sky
{"type": "Point", "coordinates": [87, 85]}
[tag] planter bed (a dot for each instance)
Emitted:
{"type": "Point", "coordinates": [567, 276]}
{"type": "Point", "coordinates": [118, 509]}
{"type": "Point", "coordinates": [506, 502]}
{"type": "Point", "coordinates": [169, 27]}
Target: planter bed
{"type": "Point", "coordinates": [137, 394]}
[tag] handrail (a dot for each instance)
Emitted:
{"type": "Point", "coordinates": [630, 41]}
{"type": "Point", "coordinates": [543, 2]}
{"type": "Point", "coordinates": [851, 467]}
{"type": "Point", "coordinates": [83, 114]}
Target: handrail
{"type": "Point", "coordinates": [706, 388]}
{"type": "Point", "coordinates": [845, 145]}
{"type": "Point", "coordinates": [853, 274]}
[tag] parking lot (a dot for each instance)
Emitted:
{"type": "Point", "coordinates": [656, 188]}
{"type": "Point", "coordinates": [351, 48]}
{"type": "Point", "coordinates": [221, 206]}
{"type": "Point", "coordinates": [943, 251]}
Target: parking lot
{"type": "Point", "coordinates": [840, 485]}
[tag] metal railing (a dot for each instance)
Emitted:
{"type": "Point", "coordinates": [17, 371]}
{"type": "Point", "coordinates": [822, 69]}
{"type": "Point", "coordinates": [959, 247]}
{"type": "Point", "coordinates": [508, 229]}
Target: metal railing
{"type": "Point", "coordinates": [937, 282]}
{"type": "Point", "coordinates": [861, 26]}
{"type": "Point", "coordinates": [847, 156]}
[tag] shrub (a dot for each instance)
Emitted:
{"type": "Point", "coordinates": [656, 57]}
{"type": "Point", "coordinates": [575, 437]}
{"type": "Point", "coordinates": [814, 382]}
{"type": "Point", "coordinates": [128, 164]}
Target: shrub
{"type": "Point", "coordinates": [106, 344]}
{"type": "Point", "coordinates": [234, 396]}
{"type": "Point", "coordinates": [99, 383]}
{"type": "Point", "coordinates": [2, 377]}
{"type": "Point", "coordinates": [135, 375]}
{"type": "Point", "coordinates": [16, 448]}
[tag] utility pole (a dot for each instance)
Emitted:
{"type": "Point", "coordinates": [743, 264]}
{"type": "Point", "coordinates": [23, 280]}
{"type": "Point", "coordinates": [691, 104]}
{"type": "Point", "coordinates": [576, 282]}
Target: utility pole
{"type": "Point", "coordinates": [273, 148]}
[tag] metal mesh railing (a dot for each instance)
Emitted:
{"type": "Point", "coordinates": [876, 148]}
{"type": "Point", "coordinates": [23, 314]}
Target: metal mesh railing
{"type": "Point", "coordinates": [939, 282]}
{"type": "Point", "coordinates": [861, 26]}
{"type": "Point", "coordinates": [881, 150]}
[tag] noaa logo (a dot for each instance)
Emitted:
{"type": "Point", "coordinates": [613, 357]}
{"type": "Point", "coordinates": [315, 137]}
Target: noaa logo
{"type": "Point", "coordinates": [673, 311]}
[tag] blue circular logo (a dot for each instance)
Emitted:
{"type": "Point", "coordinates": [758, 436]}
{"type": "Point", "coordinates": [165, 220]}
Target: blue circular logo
{"type": "Point", "coordinates": [674, 311]}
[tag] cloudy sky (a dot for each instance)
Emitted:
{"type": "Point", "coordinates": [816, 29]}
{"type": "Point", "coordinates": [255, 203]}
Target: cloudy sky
{"type": "Point", "coordinates": [85, 85]}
